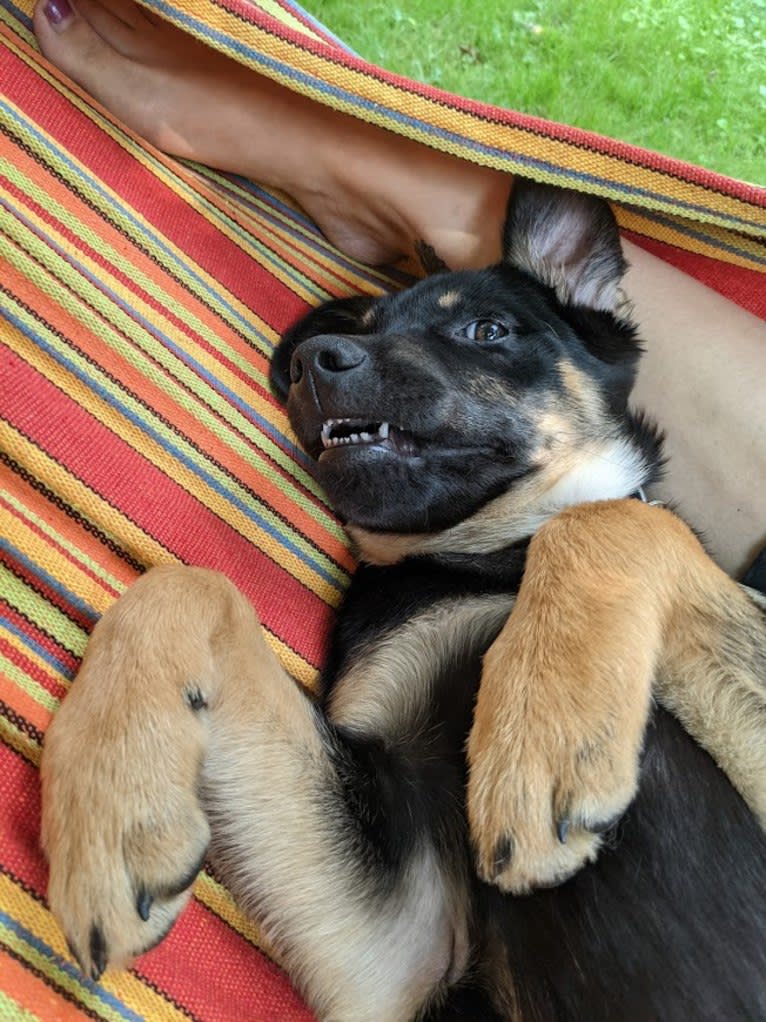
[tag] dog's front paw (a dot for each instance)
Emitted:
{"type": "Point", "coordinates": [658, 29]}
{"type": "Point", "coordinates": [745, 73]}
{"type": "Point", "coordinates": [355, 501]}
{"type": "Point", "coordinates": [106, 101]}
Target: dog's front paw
{"type": "Point", "coordinates": [123, 829]}
{"type": "Point", "coordinates": [554, 761]}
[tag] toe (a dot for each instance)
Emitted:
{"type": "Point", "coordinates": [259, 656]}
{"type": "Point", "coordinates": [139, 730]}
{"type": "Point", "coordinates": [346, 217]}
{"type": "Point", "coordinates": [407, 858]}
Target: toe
{"type": "Point", "coordinates": [91, 45]}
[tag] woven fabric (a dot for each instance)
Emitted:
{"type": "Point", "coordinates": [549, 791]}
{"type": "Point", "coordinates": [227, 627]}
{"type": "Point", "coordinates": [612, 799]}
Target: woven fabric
{"type": "Point", "coordinates": [140, 300]}
{"type": "Point", "coordinates": [692, 217]}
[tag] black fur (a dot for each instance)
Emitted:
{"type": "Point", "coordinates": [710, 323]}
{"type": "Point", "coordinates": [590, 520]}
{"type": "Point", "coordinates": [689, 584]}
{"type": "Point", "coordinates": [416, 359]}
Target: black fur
{"type": "Point", "coordinates": [670, 923]}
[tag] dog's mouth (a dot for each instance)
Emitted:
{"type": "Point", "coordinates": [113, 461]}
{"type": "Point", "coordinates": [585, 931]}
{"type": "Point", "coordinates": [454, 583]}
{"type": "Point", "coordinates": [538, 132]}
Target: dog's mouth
{"type": "Point", "coordinates": [353, 433]}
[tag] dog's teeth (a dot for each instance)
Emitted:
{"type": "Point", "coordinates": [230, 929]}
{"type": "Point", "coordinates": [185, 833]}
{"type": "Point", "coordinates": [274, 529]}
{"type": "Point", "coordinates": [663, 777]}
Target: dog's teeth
{"type": "Point", "coordinates": [382, 432]}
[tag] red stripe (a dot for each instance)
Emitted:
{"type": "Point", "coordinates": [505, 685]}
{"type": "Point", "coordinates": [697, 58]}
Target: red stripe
{"type": "Point", "coordinates": [739, 284]}
{"type": "Point", "coordinates": [57, 599]}
{"type": "Point", "coordinates": [68, 661]}
{"type": "Point", "coordinates": [33, 670]}
{"type": "Point", "coordinates": [496, 115]}
{"type": "Point", "coordinates": [161, 507]}
{"type": "Point", "coordinates": [203, 964]}
{"type": "Point", "coordinates": [170, 215]}
{"type": "Point", "coordinates": [62, 551]}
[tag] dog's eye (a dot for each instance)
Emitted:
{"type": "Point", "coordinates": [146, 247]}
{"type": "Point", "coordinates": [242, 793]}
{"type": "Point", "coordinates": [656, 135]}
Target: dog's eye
{"type": "Point", "coordinates": [485, 330]}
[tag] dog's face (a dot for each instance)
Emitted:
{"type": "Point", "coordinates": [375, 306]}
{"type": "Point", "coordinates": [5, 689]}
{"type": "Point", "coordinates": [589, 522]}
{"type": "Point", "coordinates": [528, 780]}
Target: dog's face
{"type": "Point", "coordinates": [422, 406]}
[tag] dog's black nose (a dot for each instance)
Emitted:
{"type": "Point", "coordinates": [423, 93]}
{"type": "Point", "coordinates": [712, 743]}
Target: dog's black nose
{"type": "Point", "coordinates": [325, 356]}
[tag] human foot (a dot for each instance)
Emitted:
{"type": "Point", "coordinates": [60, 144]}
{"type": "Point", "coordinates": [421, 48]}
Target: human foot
{"type": "Point", "coordinates": [377, 196]}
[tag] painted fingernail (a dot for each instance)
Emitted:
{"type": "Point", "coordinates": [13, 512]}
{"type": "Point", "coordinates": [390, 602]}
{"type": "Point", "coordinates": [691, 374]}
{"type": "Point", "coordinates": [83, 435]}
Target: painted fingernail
{"type": "Point", "coordinates": [562, 829]}
{"type": "Point", "coordinates": [58, 13]}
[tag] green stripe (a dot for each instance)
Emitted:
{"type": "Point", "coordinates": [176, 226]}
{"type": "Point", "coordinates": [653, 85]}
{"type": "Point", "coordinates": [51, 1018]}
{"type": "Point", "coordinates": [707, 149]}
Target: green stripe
{"type": "Point", "coordinates": [77, 555]}
{"type": "Point", "coordinates": [42, 613]}
{"type": "Point", "coordinates": [13, 1012]}
{"type": "Point", "coordinates": [84, 311]}
{"type": "Point", "coordinates": [63, 980]}
{"type": "Point", "coordinates": [32, 688]}
{"type": "Point", "coordinates": [18, 740]}
{"type": "Point", "coordinates": [145, 282]}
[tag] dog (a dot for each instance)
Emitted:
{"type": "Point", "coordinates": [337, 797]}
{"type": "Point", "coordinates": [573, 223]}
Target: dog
{"type": "Point", "coordinates": [484, 815]}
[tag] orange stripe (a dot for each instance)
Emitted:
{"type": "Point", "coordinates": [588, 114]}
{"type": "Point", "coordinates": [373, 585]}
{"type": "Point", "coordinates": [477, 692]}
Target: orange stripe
{"type": "Point", "coordinates": [183, 419]}
{"type": "Point", "coordinates": [134, 257]}
{"type": "Point", "coordinates": [24, 704]}
{"type": "Point", "coordinates": [69, 529]}
{"type": "Point", "coordinates": [32, 994]}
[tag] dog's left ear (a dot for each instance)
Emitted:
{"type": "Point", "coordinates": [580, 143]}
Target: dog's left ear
{"type": "Point", "coordinates": [340, 316]}
{"type": "Point", "coordinates": [567, 240]}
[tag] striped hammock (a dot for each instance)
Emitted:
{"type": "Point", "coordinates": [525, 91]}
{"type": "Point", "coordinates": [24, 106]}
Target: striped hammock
{"type": "Point", "coordinates": [141, 298]}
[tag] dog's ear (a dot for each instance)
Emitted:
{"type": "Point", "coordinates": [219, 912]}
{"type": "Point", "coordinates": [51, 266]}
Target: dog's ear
{"type": "Point", "coordinates": [567, 240]}
{"type": "Point", "coordinates": [340, 316]}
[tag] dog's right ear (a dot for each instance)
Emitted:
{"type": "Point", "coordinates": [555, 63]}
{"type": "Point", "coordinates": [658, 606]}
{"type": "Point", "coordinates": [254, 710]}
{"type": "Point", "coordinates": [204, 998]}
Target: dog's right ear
{"type": "Point", "coordinates": [340, 316]}
{"type": "Point", "coordinates": [567, 240]}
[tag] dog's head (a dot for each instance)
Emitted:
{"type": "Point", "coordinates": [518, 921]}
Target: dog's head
{"type": "Point", "coordinates": [508, 384]}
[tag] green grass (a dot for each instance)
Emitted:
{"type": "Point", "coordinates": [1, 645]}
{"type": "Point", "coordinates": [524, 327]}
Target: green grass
{"type": "Point", "coordinates": [687, 79]}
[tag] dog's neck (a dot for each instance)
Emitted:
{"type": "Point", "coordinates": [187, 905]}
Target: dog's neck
{"type": "Point", "coordinates": [610, 470]}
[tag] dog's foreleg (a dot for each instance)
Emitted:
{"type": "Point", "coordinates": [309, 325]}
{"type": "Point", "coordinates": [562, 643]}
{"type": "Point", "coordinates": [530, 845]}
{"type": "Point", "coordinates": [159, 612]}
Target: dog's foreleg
{"type": "Point", "coordinates": [614, 593]}
{"type": "Point", "coordinates": [182, 723]}
{"type": "Point", "coordinates": [712, 675]}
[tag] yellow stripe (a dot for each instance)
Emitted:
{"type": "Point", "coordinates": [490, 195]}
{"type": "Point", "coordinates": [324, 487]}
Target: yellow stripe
{"type": "Point", "coordinates": [55, 564]}
{"type": "Point", "coordinates": [184, 477]}
{"type": "Point", "coordinates": [124, 986]}
{"type": "Point", "coordinates": [56, 539]}
{"type": "Point", "coordinates": [712, 246]}
{"type": "Point", "coordinates": [17, 643]}
{"type": "Point", "coordinates": [191, 190]}
{"type": "Point", "coordinates": [92, 308]}
{"type": "Point", "coordinates": [32, 688]}
{"type": "Point", "coordinates": [85, 300]}
{"type": "Point", "coordinates": [508, 139]}
{"type": "Point", "coordinates": [42, 613]}
{"type": "Point", "coordinates": [20, 742]}
{"type": "Point", "coordinates": [139, 545]}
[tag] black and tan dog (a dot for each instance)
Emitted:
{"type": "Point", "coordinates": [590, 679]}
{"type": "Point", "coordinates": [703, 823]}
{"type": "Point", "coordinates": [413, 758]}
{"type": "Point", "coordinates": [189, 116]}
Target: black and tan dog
{"type": "Point", "coordinates": [449, 424]}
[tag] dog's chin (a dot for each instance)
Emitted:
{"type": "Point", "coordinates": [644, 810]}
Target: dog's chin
{"type": "Point", "coordinates": [385, 490]}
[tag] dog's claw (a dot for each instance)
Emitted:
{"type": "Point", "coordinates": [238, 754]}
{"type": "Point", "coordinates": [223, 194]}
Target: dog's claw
{"type": "Point", "coordinates": [503, 855]}
{"type": "Point", "coordinates": [144, 904]}
{"type": "Point", "coordinates": [562, 829]}
{"type": "Point", "coordinates": [74, 954]}
{"type": "Point", "coordinates": [98, 953]}
{"type": "Point", "coordinates": [602, 826]}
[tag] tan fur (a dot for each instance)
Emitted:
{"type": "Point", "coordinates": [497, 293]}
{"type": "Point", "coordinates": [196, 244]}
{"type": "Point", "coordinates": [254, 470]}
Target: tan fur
{"type": "Point", "coordinates": [449, 299]}
{"type": "Point", "coordinates": [615, 593]}
{"type": "Point", "coordinates": [127, 761]}
{"type": "Point", "coordinates": [390, 684]}
{"type": "Point", "coordinates": [568, 478]}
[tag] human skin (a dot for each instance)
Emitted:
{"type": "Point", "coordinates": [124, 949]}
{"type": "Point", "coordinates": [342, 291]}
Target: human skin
{"type": "Point", "coordinates": [379, 197]}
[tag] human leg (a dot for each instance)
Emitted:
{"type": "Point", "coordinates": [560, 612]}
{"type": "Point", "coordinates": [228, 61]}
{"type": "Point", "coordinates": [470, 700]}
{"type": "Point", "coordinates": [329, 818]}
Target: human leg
{"type": "Point", "coordinates": [377, 196]}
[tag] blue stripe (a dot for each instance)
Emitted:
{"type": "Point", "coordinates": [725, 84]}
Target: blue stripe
{"type": "Point", "coordinates": [183, 356]}
{"type": "Point", "coordinates": [699, 235]}
{"type": "Point", "coordinates": [237, 46]}
{"type": "Point", "coordinates": [315, 240]}
{"type": "Point", "coordinates": [175, 452]}
{"type": "Point", "coordinates": [143, 229]}
{"type": "Point", "coordinates": [41, 651]}
{"type": "Point", "coordinates": [107, 999]}
{"type": "Point", "coordinates": [85, 608]}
